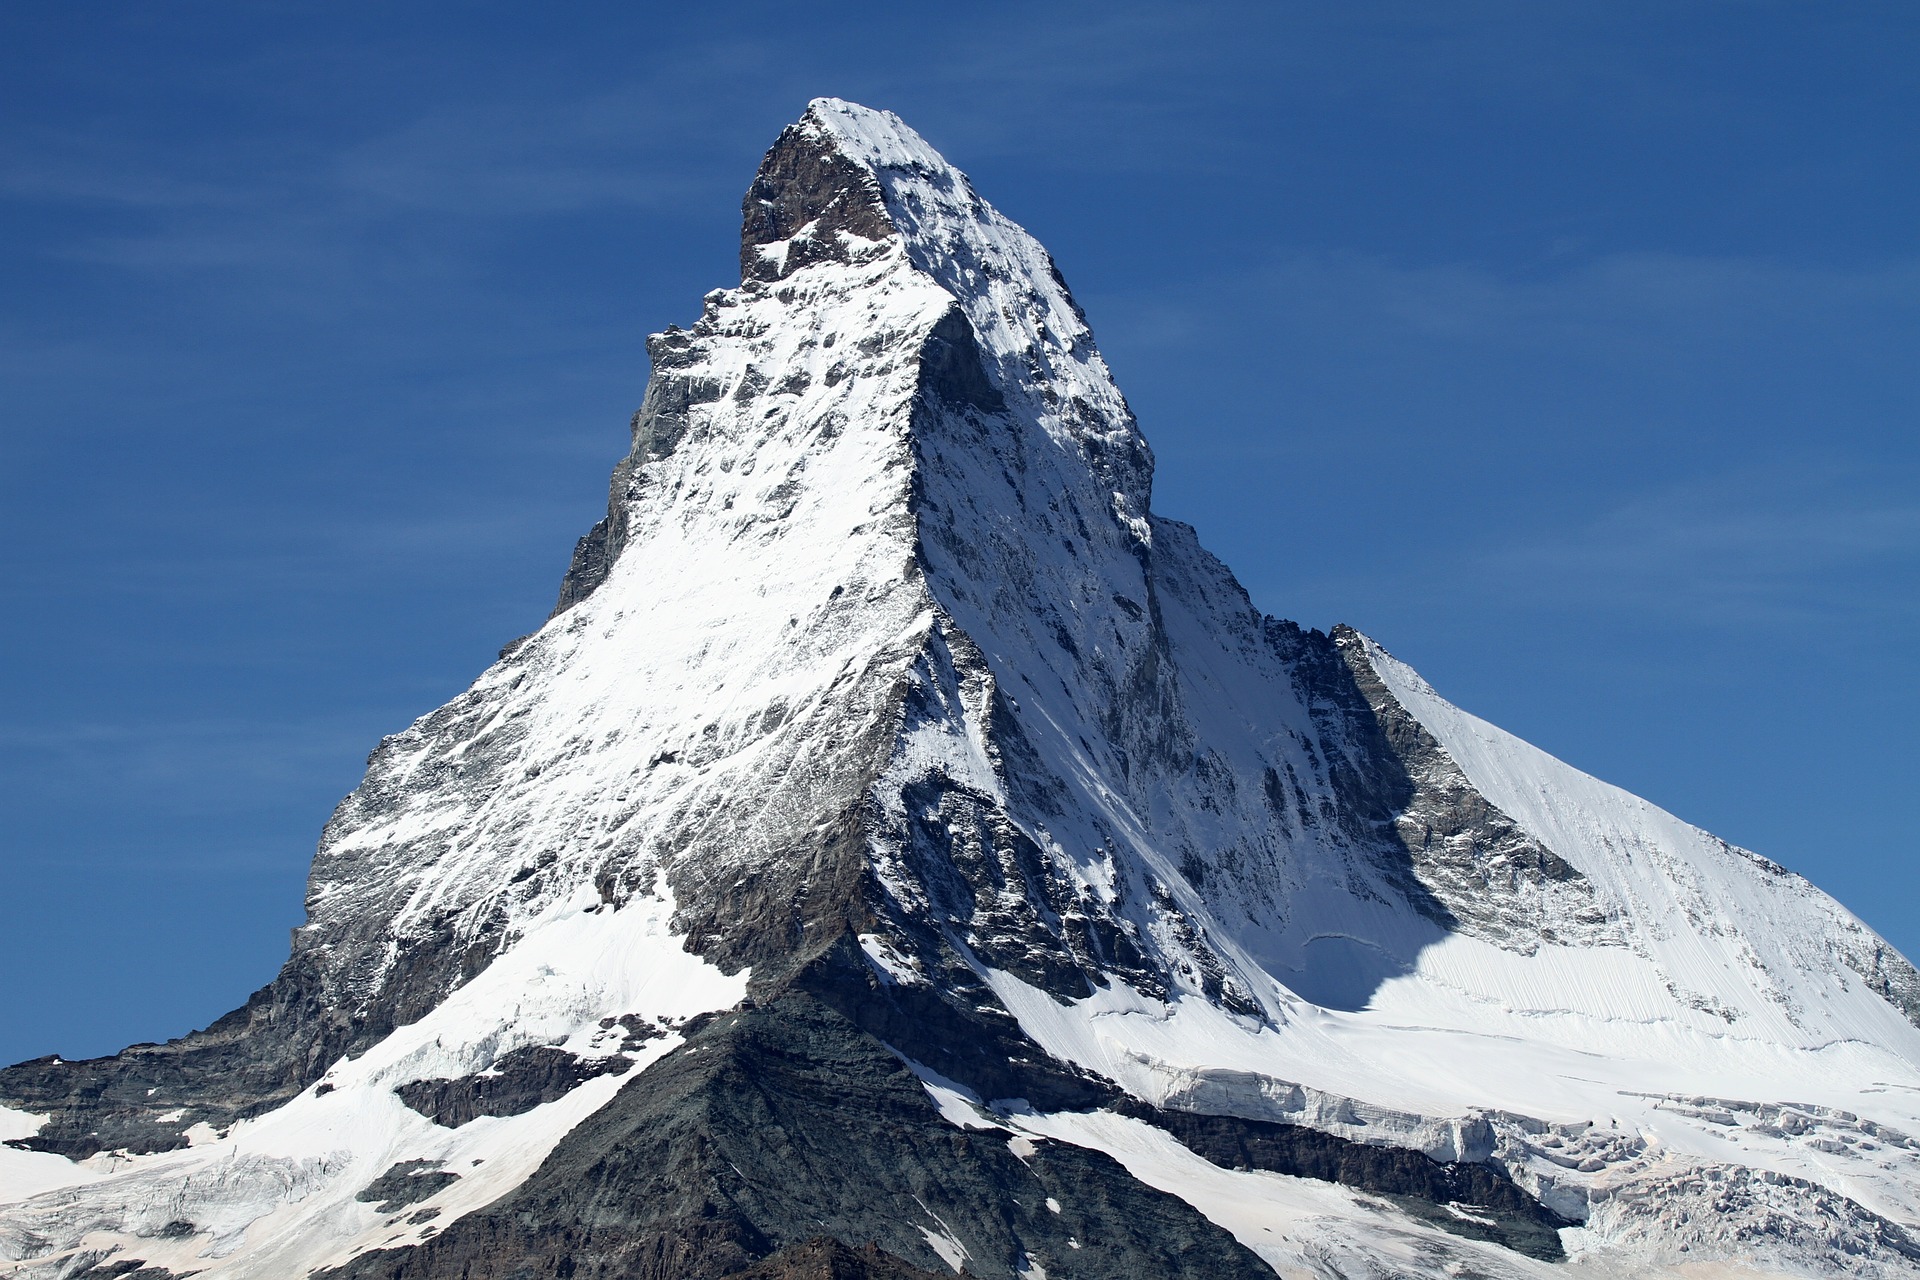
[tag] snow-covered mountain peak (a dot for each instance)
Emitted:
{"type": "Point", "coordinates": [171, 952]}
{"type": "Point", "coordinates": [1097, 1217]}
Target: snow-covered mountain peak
{"type": "Point", "coordinates": [877, 139]}
{"type": "Point", "coordinates": [897, 831]}
{"type": "Point", "coordinates": [846, 176]}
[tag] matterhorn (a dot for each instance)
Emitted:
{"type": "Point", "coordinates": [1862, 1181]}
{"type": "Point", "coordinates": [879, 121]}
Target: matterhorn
{"type": "Point", "coordinates": [903, 854]}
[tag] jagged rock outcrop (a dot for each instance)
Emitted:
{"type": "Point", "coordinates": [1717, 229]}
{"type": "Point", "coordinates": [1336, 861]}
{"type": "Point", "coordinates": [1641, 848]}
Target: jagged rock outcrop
{"type": "Point", "coordinates": [901, 852]}
{"type": "Point", "coordinates": [776, 1120]}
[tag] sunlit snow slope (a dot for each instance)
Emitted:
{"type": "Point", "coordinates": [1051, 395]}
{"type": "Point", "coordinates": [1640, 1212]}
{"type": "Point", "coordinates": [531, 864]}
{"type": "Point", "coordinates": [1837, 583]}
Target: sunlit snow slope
{"type": "Point", "coordinates": [881, 713]}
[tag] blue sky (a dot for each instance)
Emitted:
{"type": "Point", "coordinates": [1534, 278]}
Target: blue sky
{"type": "Point", "coordinates": [1568, 349]}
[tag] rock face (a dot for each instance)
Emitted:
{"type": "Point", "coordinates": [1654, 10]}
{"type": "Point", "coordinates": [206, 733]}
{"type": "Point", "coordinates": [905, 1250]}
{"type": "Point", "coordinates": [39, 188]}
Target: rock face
{"type": "Point", "coordinates": [681, 1179]}
{"type": "Point", "coordinates": [902, 853]}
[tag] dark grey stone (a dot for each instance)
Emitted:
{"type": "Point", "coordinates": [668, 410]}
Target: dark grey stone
{"type": "Point", "coordinates": [1422, 1186]}
{"type": "Point", "coordinates": [804, 179]}
{"type": "Point", "coordinates": [408, 1182]}
{"type": "Point", "coordinates": [514, 1085]}
{"type": "Point", "coordinates": [775, 1125]}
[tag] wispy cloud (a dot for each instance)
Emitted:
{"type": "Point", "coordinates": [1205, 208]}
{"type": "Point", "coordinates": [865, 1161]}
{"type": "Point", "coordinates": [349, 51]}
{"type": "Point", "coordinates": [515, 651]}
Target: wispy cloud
{"type": "Point", "coordinates": [56, 166]}
{"type": "Point", "coordinates": [1639, 302]}
{"type": "Point", "coordinates": [640, 145]}
{"type": "Point", "coordinates": [1638, 299]}
{"type": "Point", "coordinates": [158, 753]}
{"type": "Point", "coordinates": [1740, 550]}
{"type": "Point", "coordinates": [180, 793]}
{"type": "Point", "coordinates": [1640, 385]}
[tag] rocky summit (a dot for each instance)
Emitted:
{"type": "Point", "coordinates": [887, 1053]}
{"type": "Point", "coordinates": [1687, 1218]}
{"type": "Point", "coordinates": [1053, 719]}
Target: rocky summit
{"type": "Point", "coordinates": [902, 853]}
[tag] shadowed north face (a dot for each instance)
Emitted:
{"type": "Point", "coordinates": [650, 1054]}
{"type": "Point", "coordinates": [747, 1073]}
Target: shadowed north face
{"type": "Point", "coordinates": [903, 853]}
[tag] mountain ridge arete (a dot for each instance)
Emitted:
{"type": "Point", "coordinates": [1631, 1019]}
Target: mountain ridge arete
{"type": "Point", "coordinates": [902, 853]}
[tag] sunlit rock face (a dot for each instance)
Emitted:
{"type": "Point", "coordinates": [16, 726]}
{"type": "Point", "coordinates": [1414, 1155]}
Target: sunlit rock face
{"type": "Point", "coordinates": [903, 853]}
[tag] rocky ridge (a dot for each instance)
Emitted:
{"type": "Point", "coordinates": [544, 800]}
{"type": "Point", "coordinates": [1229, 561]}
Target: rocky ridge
{"type": "Point", "coordinates": [901, 852]}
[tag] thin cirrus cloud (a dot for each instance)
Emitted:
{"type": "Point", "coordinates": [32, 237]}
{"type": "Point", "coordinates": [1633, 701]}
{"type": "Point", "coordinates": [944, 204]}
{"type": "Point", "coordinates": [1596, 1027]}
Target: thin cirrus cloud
{"type": "Point", "coordinates": [1741, 551]}
{"type": "Point", "coordinates": [60, 168]}
{"type": "Point", "coordinates": [641, 146]}
{"type": "Point", "coordinates": [257, 581]}
{"type": "Point", "coordinates": [154, 755]}
{"type": "Point", "coordinates": [1628, 301]}
{"type": "Point", "coordinates": [1724, 432]}
{"type": "Point", "coordinates": [327, 208]}
{"type": "Point", "coordinates": [1140, 88]}
{"type": "Point", "coordinates": [164, 819]}
{"type": "Point", "coordinates": [1736, 359]}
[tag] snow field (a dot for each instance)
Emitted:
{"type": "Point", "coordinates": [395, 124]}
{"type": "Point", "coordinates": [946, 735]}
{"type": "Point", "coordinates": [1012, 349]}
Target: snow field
{"type": "Point", "coordinates": [820, 538]}
{"type": "Point", "coordinates": [274, 1197]}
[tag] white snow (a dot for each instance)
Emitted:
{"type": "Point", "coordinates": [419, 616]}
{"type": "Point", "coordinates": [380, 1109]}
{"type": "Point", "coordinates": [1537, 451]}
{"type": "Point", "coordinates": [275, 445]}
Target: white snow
{"type": "Point", "coordinates": [1303, 1228]}
{"type": "Point", "coordinates": [274, 1197]}
{"type": "Point", "coordinates": [888, 961]}
{"type": "Point", "coordinates": [28, 1173]}
{"type": "Point", "coordinates": [816, 541]}
{"type": "Point", "coordinates": [941, 1239]}
{"type": "Point", "coordinates": [1709, 972]}
{"type": "Point", "coordinates": [1741, 934]}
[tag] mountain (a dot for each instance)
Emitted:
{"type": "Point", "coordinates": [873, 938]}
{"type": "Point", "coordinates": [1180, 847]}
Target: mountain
{"type": "Point", "coordinates": [902, 853]}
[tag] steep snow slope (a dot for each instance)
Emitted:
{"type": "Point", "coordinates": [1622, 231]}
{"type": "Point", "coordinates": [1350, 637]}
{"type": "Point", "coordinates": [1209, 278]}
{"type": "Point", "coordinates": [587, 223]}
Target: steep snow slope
{"type": "Point", "coordinates": [1628, 952]}
{"type": "Point", "coordinates": [281, 1194]}
{"type": "Point", "coordinates": [1722, 924]}
{"type": "Point", "coordinates": [880, 711]}
{"type": "Point", "coordinates": [717, 698]}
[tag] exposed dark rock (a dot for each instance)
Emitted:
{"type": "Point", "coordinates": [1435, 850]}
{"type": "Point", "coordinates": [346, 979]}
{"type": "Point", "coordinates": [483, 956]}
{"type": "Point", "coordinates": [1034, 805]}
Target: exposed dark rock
{"type": "Point", "coordinates": [789, 1137]}
{"type": "Point", "coordinates": [1419, 1184]}
{"type": "Point", "coordinates": [951, 368]}
{"type": "Point", "coordinates": [248, 1062]}
{"type": "Point", "coordinates": [804, 179]}
{"type": "Point", "coordinates": [124, 1269]}
{"type": "Point", "coordinates": [1371, 783]}
{"type": "Point", "coordinates": [771, 1124]}
{"type": "Point", "coordinates": [408, 1182]}
{"type": "Point", "coordinates": [829, 1259]}
{"type": "Point", "coordinates": [656, 430]}
{"type": "Point", "coordinates": [120, 1269]}
{"type": "Point", "coordinates": [956, 1027]}
{"type": "Point", "coordinates": [517, 1083]}
{"type": "Point", "coordinates": [1473, 858]}
{"type": "Point", "coordinates": [1887, 973]}
{"type": "Point", "coordinates": [289, 1032]}
{"type": "Point", "coordinates": [1456, 857]}
{"type": "Point", "coordinates": [794, 909]}
{"type": "Point", "coordinates": [594, 554]}
{"type": "Point", "coordinates": [986, 881]}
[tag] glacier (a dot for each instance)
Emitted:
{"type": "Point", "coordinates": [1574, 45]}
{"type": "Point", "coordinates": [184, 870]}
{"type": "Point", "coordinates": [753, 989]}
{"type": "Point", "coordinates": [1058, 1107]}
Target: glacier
{"type": "Point", "coordinates": [901, 838]}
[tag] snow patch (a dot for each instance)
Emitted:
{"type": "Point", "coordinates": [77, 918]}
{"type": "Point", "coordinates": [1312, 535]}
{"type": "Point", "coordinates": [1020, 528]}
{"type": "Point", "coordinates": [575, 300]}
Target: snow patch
{"type": "Point", "coordinates": [276, 1195]}
{"type": "Point", "coordinates": [943, 1241]}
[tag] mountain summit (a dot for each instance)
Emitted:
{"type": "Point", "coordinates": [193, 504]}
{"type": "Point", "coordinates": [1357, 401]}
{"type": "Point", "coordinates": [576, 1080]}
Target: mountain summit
{"type": "Point", "coordinates": [901, 853]}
